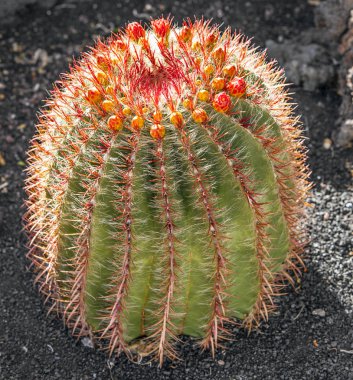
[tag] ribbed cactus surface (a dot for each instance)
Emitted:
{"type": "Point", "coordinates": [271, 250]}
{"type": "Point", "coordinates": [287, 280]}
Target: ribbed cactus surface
{"type": "Point", "coordinates": [166, 188]}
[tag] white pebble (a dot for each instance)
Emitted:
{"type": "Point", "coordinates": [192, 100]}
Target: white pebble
{"type": "Point", "coordinates": [319, 312]}
{"type": "Point", "coordinates": [87, 342]}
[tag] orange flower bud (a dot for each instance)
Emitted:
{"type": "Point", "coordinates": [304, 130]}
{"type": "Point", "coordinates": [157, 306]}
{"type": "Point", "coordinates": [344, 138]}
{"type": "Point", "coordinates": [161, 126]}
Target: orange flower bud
{"type": "Point", "coordinates": [120, 44]}
{"type": "Point", "coordinates": [107, 105]}
{"type": "Point", "coordinates": [101, 77]}
{"type": "Point", "coordinates": [145, 110]}
{"type": "Point", "coordinates": [185, 33]}
{"type": "Point", "coordinates": [209, 69]}
{"type": "Point", "coordinates": [218, 83]}
{"type": "Point", "coordinates": [222, 102]}
{"type": "Point", "coordinates": [110, 90]}
{"type": "Point", "coordinates": [135, 31]}
{"type": "Point", "coordinates": [127, 111]}
{"type": "Point", "coordinates": [157, 131]}
{"type": "Point", "coordinates": [199, 115]}
{"type": "Point", "coordinates": [219, 55]}
{"type": "Point", "coordinates": [229, 70]}
{"type": "Point", "coordinates": [198, 82]}
{"type": "Point", "coordinates": [137, 122]}
{"type": "Point", "coordinates": [204, 95]}
{"type": "Point", "coordinates": [177, 119]}
{"type": "Point", "coordinates": [211, 40]}
{"type": "Point", "coordinates": [102, 61]}
{"type": "Point", "coordinates": [157, 116]}
{"type": "Point", "coordinates": [188, 103]}
{"type": "Point", "coordinates": [195, 44]}
{"type": "Point", "coordinates": [237, 87]}
{"type": "Point", "coordinates": [115, 123]}
{"type": "Point", "coordinates": [161, 27]}
{"type": "Point", "coordinates": [94, 96]}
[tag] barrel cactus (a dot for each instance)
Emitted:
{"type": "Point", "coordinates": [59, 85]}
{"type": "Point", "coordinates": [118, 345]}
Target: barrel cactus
{"type": "Point", "coordinates": [166, 189]}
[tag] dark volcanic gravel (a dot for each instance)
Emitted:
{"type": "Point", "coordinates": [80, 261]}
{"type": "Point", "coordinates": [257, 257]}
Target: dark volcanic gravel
{"type": "Point", "coordinates": [311, 336]}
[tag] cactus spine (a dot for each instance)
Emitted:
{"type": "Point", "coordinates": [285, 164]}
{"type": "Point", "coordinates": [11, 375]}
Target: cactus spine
{"type": "Point", "coordinates": [166, 186]}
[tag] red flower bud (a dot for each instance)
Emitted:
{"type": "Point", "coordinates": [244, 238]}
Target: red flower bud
{"type": "Point", "coordinates": [237, 87]}
{"type": "Point", "coordinates": [157, 131]}
{"type": "Point", "coordinates": [102, 61]}
{"type": "Point", "coordinates": [211, 40]}
{"type": "Point", "coordinates": [93, 96]}
{"type": "Point", "coordinates": [222, 102]}
{"type": "Point", "coordinates": [120, 44]}
{"type": "Point", "coordinates": [161, 27]}
{"type": "Point", "coordinates": [199, 115]}
{"type": "Point", "coordinates": [185, 33]}
{"type": "Point", "coordinates": [135, 31]}
{"type": "Point", "coordinates": [229, 70]}
{"type": "Point", "coordinates": [115, 123]}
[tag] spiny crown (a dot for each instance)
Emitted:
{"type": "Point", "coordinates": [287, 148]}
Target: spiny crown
{"type": "Point", "coordinates": [139, 71]}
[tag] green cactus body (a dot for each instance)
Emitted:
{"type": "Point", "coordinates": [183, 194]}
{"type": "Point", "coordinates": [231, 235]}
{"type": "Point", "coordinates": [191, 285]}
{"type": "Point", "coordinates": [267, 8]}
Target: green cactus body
{"type": "Point", "coordinates": [166, 185]}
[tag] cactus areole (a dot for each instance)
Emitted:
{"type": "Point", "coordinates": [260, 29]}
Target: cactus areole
{"type": "Point", "coordinates": [166, 188]}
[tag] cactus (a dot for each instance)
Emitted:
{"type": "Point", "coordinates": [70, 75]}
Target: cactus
{"type": "Point", "coordinates": [166, 188]}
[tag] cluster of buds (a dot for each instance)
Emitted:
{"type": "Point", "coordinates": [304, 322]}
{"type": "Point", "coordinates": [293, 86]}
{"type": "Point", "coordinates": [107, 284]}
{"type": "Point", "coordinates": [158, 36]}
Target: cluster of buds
{"type": "Point", "coordinates": [214, 79]}
{"type": "Point", "coordinates": [218, 91]}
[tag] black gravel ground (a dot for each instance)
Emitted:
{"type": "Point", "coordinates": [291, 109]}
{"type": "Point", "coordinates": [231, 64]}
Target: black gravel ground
{"type": "Point", "coordinates": [311, 336]}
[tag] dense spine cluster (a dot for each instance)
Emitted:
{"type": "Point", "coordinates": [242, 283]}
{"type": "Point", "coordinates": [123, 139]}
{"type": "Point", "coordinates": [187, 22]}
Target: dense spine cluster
{"type": "Point", "coordinates": [166, 188]}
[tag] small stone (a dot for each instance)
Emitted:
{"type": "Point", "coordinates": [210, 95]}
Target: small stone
{"type": "Point", "coordinates": [327, 143]}
{"type": "Point", "coordinates": [2, 97]}
{"type": "Point", "coordinates": [36, 87]}
{"type": "Point", "coordinates": [40, 58]}
{"type": "Point", "coordinates": [51, 349]}
{"type": "Point", "coordinates": [319, 312]}
{"type": "Point", "coordinates": [221, 362]}
{"type": "Point", "coordinates": [345, 134]}
{"type": "Point", "coordinates": [87, 342]}
{"type": "Point", "coordinates": [3, 190]}
{"type": "Point", "coordinates": [314, 3]}
{"type": "Point", "coordinates": [148, 7]}
{"type": "Point", "coordinates": [22, 126]}
{"type": "Point", "coordinates": [2, 160]}
{"type": "Point", "coordinates": [17, 48]}
{"type": "Point", "coordinates": [269, 11]}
